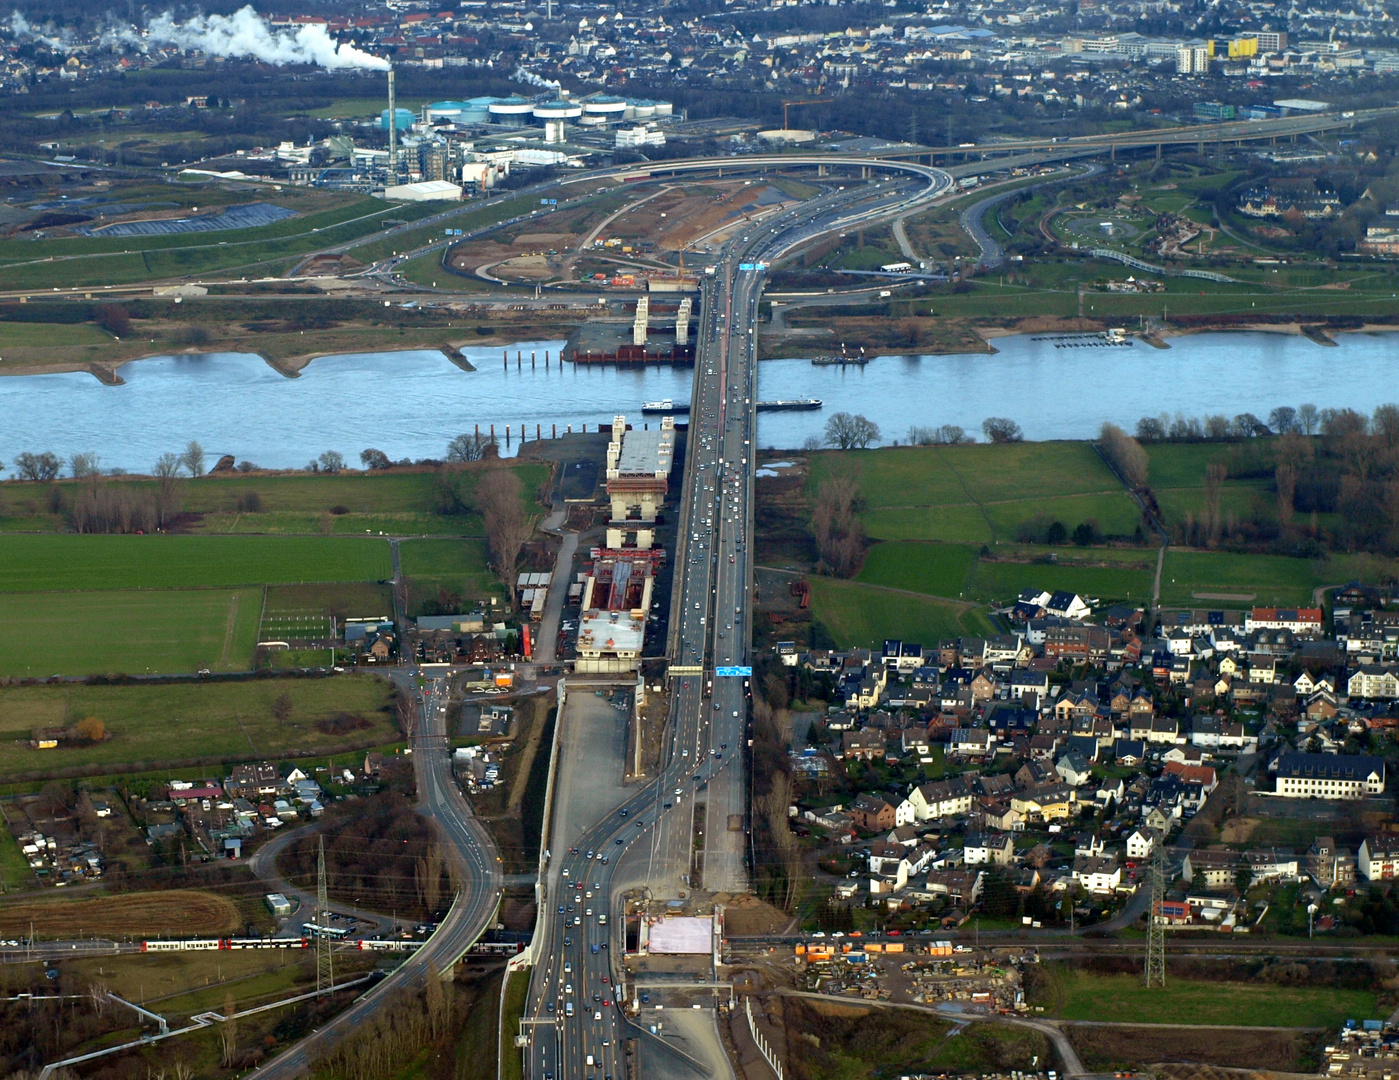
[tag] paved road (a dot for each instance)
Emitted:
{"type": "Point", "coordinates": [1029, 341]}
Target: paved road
{"type": "Point", "coordinates": [575, 1036]}
{"type": "Point", "coordinates": [972, 218]}
{"type": "Point", "coordinates": [475, 863]}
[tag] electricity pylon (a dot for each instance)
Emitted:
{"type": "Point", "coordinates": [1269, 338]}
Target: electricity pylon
{"type": "Point", "coordinates": [325, 971]}
{"type": "Point", "coordinates": [1155, 920]}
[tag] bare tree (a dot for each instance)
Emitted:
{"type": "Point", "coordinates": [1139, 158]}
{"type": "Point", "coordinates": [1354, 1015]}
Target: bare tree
{"type": "Point", "coordinates": [1285, 477]}
{"type": "Point", "coordinates": [1153, 428]}
{"type": "Point", "coordinates": [1215, 474]}
{"type": "Point", "coordinates": [84, 465]}
{"type": "Point", "coordinates": [850, 431]}
{"type": "Point", "coordinates": [168, 489]}
{"type": "Point", "coordinates": [228, 1031]}
{"type": "Point", "coordinates": [332, 461]}
{"type": "Point", "coordinates": [1283, 420]}
{"type": "Point", "coordinates": [1308, 419]}
{"type": "Point", "coordinates": [836, 527]}
{"type": "Point", "coordinates": [45, 466]}
{"type": "Point", "coordinates": [193, 458]}
{"type": "Point", "coordinates": [474, 447]}
{"type": "Point", "coordinates": [1000, 430]}
{"type": "Point", "coordinates": [507, 525]}
{"type": "Point", "coordinates": [1385, 424]}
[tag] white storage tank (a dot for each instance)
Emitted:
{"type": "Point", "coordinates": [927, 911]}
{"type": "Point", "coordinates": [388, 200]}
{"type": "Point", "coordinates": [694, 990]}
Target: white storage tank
{"type": "Point", "coordinates": [512, 112]}
{"type": "Point", "coordinates": [604, 108]}
{"type": "Point", "coordinates": [557, 110]}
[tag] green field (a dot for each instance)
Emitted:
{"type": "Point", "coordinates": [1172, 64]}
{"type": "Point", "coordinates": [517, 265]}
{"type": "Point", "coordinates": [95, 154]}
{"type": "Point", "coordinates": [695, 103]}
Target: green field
{"type": "Point", "coordinates": [956, 571]}
{"type": "Point", "coordinates": [857, 615]}
{"type": "Point", "coordinates": [936, 569]}
{"type": "Point", "coordinates": [352, 503]}
{"type": "Point", "coordinates": [151, 724]}
{"type": "Point", "coordinates": [41, 563]}
{"type": "Point", "coordinates": [981, 493]}
{"type": "Point", "coordinates": [134, 633]}
{"type": "Point", "coordinates": [1122, 999]}
{"type": "Point", "coordinates": [325, 221]}
{"type": "Point", "coordinates": [14, 335]}
{"type": "Point", "coordinates": [1271, 580]}
{"type": "Point", "coordinates": [458, 567]}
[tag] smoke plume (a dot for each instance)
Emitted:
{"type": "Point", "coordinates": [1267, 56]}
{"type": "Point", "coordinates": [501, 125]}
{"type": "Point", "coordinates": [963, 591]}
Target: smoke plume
{"type": "Point", "coordinates": [245, 35]}
{"type": "Point", "coordinates": [23, 28]}
{"type": "Point", "coordinates": [529, 78]}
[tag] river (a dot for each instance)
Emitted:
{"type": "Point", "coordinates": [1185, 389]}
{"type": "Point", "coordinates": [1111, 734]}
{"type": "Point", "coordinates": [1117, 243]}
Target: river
{"type": "Point", "coordinates": [409, 404]}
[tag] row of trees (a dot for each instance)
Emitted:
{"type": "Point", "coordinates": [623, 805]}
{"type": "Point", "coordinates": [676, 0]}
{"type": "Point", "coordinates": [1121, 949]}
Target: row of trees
{"type": "Point", "coordinates": [1126, 455]}
{"type": "Point", "coordinates": [851, 431]}
{"type": "Point", "coordinates": [1305, 419]}
{"type": "Point", "coordinates": [47, 466]}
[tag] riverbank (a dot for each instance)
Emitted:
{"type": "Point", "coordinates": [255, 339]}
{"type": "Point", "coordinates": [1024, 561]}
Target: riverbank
{"type": "Point", "coordinates": [286, 336]}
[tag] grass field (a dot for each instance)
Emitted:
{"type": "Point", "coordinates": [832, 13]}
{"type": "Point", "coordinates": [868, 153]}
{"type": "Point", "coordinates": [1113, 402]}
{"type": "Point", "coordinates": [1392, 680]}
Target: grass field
{"type": "Point", "coordinates": [150, 724]}
{"type": "Point", "coordinates": [981, 493]}
{"type": "Point", "coordinates": [104, 633]}
{"type": "Point", "coordinates": [1269, 579]}
{"type": "Point", "coordinates": [957, 571]}
{"type": "Point", "coordinates": [42, 264]}
{"type": "Point", "coordinates": [169, 913]}
{"type": "Point", "coordinates": [936, 569]}
{"type": "Point", "coordinates": [40, 563]}
{"type": "Point", "coordinates": [458, 566]}
{"type": "Point", "coordinates": [1123, 999]}
{"type": "Point", "coordinates": [392, 502]}
{"type": "Point", "coordinates": [14, 867]}
{"type": "Point", "coordinates": [861, 615]}
{"type": "Point", "coordinates": [22, 335]}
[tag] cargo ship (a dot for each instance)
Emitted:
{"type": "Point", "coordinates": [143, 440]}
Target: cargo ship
{"type": "Point", "coordinates": [795, 405]}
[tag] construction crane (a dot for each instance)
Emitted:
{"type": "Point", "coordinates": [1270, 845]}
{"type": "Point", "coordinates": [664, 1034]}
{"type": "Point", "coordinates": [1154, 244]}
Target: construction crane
{"type": "Point", "coordinates": [806, 101]}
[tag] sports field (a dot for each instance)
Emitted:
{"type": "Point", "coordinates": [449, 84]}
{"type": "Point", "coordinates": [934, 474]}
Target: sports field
{"type": "Point", "coordinates": [981, 494]}
{"type": "Point", "coordinates": [153, 724]}
{"type": "Point", "coordinates": [134, 633]}
{"type": "Point", "coordinates": [41, 563]}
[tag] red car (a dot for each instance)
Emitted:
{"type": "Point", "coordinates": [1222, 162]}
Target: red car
{"type": "Point", "coordinates": [894, 933]}
{"type": "Point", "coordinates": [604, 978]}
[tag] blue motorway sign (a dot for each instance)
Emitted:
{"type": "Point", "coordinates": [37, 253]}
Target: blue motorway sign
{"type": "Point", "coordinates": [733, 672]}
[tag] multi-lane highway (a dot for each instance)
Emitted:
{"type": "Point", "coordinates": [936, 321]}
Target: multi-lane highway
{"type": "Point", "coordinates": [476, 868]}
{"type": "Point", "coordinates": [577, 1024]}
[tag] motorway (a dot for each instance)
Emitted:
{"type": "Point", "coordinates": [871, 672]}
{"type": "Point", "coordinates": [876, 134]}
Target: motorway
{"type": "Point", "coordinates": [576, 1024]}
{"type": "Point", "coordinates": [476, 868]}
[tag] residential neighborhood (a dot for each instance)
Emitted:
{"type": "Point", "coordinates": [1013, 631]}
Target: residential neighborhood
{"type": "Point", "coordinates": [1058, 759]}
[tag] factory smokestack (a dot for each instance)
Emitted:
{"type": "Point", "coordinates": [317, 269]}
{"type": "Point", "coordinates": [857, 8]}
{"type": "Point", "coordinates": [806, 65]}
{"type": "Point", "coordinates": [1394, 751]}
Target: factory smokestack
{"type": "Point", "coordinates": [393, 130]}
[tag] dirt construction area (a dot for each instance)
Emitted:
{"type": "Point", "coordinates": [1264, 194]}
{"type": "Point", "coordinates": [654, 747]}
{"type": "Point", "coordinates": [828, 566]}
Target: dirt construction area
{"type": "Point", "coordinates": [1126, 1046]}
{"type": "Point", "coordinates": [651, 219]}
{"type": "Point", "coordinates": [174, 913]}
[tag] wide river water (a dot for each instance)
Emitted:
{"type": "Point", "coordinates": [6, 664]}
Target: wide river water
{"type": "Point", "coordinates": [409, 404]}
